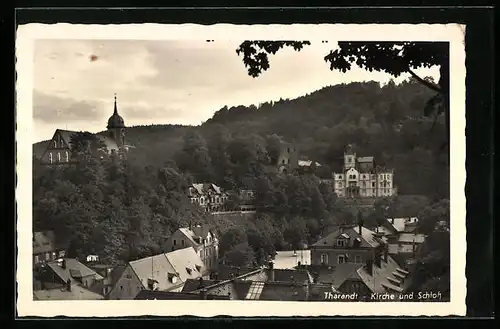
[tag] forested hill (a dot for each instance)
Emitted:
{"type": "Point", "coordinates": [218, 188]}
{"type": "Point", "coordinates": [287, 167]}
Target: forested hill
{"type": "Point", "coordinates": [384, 121]}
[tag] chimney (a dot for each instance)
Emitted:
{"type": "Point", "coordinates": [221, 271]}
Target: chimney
{"type": "Point", "coordinates": [271, 272]}
{"type": "Point", "coordinates": [360, 226]}
{"type": "Point", "coordinates": [64, 264]}
{"type": "Point", "coordinates": [369, 266]}
{"type": "Point", "coordinates": [392, 221]}
{"type": "Point", "coordinates": [68, 285]}
{"type": "Point", "coordinates": [203, 294]}
{"type": "Point", "coordinates": [306, 288]}
{"type": "Point", "coordinates": [386, 253]}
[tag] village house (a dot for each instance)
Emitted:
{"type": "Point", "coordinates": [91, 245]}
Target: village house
{"type": "Point", "coordinates": [208, 196]}
{"type": "Point", "coordinates": [361, 177]}
{"type": "Point", "coordinates": [46, 247]}
{"type": "Point", "coordinates": [67, 272]}
{"type": "Point", "coordinates": [201, 238]}
{"type": "Point", "coordinates": [402, 237]}
{"type": "Point", "coordinates": [264, 283]}
{"type": "Point", "coordinates": [59, 148]}
{"type": "Point", "coordinates": [347, 245]}
{"type": "Point", "coordinates": [68, 292]}
{"type": "Point", "coordinates": [163, 272]}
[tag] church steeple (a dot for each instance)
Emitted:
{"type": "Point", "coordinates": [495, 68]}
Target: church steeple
{"type": "Point", "coordinates": [115, 112]}
{"type": "Point", "coordinates": [115, 121]}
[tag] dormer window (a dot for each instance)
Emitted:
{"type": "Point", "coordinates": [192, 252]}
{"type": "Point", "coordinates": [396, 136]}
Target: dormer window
{"type": "Point", "coordinates": [341, 243]}
{"type": "Point", "coordinates": [188, 270]}
{"type": "Point", "coordinates": [55, 144]}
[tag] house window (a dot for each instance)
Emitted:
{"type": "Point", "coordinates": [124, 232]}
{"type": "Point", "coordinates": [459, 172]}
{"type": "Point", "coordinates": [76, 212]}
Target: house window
{"type": "Point", "coordinates": [175, 242]}
{"type": "Point", "coordinates": [357, 259]}
{"type": "Point", "coordinates": [341, 259]}
{"type": "Point", "coordinates": [373, 184]}
{"type": "Point", "coordinates": [182, 242]}
{"type": "Point", "coordinates": [324, 259]}
{"type": "Point", "coordinates": [47, 256]}
{"type": "Point", "coordinates": [283, 161]}
{"type": "Point", "coordinates": [58, 157]}
{"type": "Point", "coordinates": [36, 259]}
{"type": "Point", "coordinates": [50, 157]}
{"type": "Point", "coordinates": [55, 144]}
{"type": "Point", "coordinates": [66, 156]}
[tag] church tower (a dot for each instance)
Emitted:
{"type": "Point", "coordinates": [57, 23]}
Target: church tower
{"type": "Point", "coordinates": [116, 127]}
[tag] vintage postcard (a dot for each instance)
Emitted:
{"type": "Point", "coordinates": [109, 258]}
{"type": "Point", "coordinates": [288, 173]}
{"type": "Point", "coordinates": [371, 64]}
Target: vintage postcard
{"type": "Point", "coordinates": [240, 170]}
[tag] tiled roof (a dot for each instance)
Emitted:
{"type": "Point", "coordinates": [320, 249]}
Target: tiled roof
{"type": "Point", "coordinates": [194, 284]}
{"type": "Point", "coordinates": [44, 242]}
{"type": "Point", "coordinates": [201, 230]}
{"type": "Point", "coordinates": [383, 277]}
{"type": "Point", "coordinates": [202, 188]}
{"type": "Point", "coordinates": [66, 135]}
{"type": "Point", "coordinates": [367, 237]}
{"type": "Point", "coordinates": [287, 275]}
{"type": "Point", "coordinates": [77, 293]}
{"type": "Point", "coordinates": [74, 269]}
{"type": "Point", "coordinates": [157, 268]}
{"type": "Point", "coordinates": [187, 263]}
{"type": "Point", "coordinates": [166, 295]}
{"type": "Point", "coordinates": [344, 272]}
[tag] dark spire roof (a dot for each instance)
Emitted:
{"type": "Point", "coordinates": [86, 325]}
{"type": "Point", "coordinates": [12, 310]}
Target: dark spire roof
{"type": "Point", "coordinates": [115, 121]}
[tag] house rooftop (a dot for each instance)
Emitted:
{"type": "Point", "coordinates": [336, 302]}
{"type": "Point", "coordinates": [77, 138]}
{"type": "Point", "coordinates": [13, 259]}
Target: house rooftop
{"type": "Point", "coordinates": [382, 279]}
{"type": "Point", "coordinates": [77, 292]}
{"type": "Point", "coordinates": [367, 238]}
{"type": "Point", "coordinates": [73, 269]}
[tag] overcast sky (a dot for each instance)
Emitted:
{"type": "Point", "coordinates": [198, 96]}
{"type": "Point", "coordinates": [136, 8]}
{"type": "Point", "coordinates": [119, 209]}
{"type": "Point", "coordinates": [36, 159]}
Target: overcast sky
{"type": "Point", "coordinates": [167, 82]}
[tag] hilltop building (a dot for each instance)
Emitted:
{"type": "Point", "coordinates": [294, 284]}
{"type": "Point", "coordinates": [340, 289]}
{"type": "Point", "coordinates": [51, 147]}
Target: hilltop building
{"type": "Point", "coordinates": [208, 196]}
{"type": "Point", "coordinates": [59, 149]}
{"type": "Point", "coordinates": [361, 177]}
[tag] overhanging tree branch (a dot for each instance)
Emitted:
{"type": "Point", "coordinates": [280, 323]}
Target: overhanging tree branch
{"type": "Point", "coordinates": [425, 82]}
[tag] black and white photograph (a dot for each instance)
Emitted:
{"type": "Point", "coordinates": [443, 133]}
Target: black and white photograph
{"type": "Point", "coordinates": [225, 164]}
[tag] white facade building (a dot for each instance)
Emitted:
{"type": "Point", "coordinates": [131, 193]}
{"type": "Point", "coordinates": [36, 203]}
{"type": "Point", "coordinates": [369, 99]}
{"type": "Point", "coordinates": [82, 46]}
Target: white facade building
{"type": "Point", "coordinates": [361, 178]}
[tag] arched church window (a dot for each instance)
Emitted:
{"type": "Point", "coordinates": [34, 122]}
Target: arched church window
{"type": "Point", "coordinates": [66, 156]}
{"type": "Point", "coordinates": [58, 157]}
{"type": "Point", "coordinates": [50, 157]}
{"type": "Point", "coordinates": [55, 144]}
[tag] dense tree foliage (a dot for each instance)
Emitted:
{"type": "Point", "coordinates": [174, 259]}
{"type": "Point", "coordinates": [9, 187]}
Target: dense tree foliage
{"type": "Point", "coordinates": [124, 209]}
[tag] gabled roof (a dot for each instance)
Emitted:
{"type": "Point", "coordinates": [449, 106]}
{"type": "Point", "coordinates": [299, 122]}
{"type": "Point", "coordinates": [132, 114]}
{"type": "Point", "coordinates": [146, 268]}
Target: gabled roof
{"type": "Point", "coordinates": [187, 263]}
{"type": "Point", "coordinates": [201, 230]}
{"type": "Point", "coordinates": [156, 268]}
{"type": "Point", "coordinates": [202, 188]}
{"type": "Point", "coordinates": [66, 135]}
{"type": "Point", "coordinates": [45, 242]}
{"type": "Point", "coordinates": [74, 269]}
{"type": "Point", "coordinates": [383, 279]}
{"type": "Point", "coordinates": [77, 293]}
{"type": "Point", "coordinates": [368, 238]}
{"type": "Point", "coordinates": [344, 272]}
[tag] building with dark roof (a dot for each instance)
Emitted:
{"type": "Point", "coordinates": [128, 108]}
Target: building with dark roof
{"type": "Point", "coordinates": [46, 247]}
{"type": "Point", "coordinates": [59, 149]}
{"type": "Point", "coordinates": [347, 245]}
{"type": "Point", "coordinates": [201, 238]}
{"type": "Point", "coordinates": [163, 272]}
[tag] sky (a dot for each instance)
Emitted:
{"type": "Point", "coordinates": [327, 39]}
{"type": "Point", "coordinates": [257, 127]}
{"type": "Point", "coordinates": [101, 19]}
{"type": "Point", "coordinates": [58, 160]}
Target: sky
{"type": "Point", "coordinates": [167, 81]}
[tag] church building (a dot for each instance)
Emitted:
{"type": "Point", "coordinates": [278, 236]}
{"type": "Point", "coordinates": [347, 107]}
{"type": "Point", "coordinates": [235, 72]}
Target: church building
{"type": "Point", "coordinates": [58, 151]}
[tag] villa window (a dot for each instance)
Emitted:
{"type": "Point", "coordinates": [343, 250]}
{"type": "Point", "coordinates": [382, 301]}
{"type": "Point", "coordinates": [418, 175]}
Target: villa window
{"type": "Point", "coordinates": [342, 259]}
{"type": "Point", "coordinates": [55, 144]}
{"type": "Point", "coordinates": [50, 157]}
{"type": "Point", "coordinates": [175, 242]}
{"type": "Point", "coordinates": [324, 259]}
{"type": "Point", "coordinates": [373, 184]}
{"type": "Point", "coordinates": [66, 156]}
{"type": "Point", "coordinates": [58, 157]}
